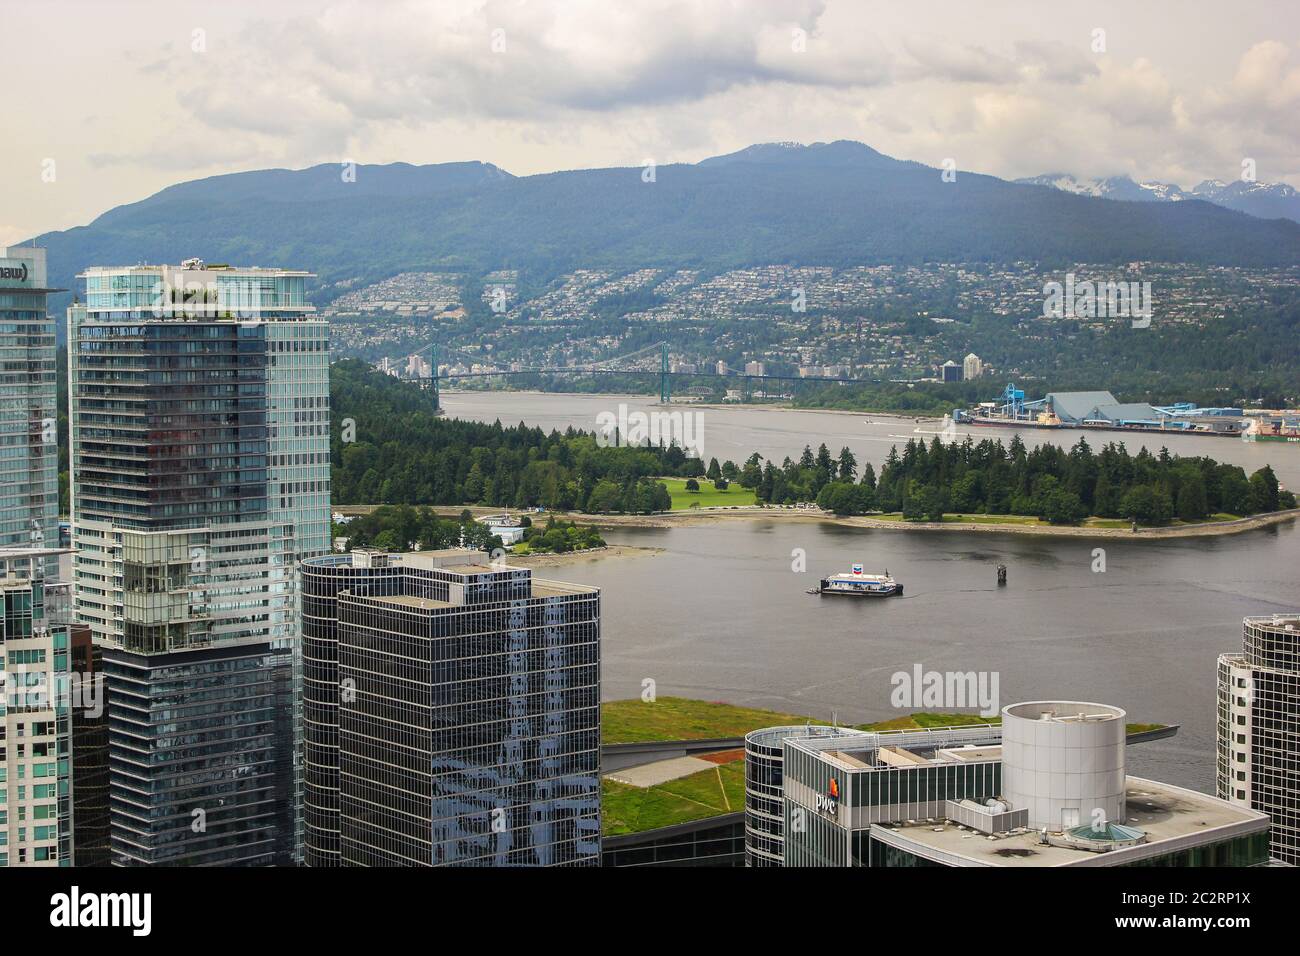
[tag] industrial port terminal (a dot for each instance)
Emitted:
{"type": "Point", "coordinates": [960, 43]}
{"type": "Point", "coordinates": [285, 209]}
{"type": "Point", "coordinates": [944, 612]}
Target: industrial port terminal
{"type": "Point", "coordinates": [1102, 411]}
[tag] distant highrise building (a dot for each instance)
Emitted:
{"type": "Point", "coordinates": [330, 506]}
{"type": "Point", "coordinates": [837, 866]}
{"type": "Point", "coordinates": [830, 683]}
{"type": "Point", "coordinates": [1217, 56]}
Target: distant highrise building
{"type": "Point", "coordinates": [35, 719]}
{"type": "Point", "coordinates": [1259, 727]}
{"type": "Point", "coordinates": [199, 417]}
{"type": "Point", "coordinates": [950, 372]}
{"type": "Point", "coordinates": [452, 713]}
{"type": "Point", "coordinates": [755, 368]}
{"type": "Point", "coordinates": [971, 367]}
{"type": "Point", "coordinates": [29, 447]}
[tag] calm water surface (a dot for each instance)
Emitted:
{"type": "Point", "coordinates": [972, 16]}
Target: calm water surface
{"type": "Point", "coordinates": [720, 615]}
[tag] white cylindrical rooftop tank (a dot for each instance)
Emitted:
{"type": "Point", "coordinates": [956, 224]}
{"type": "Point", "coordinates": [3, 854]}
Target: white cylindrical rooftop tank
{"type": "Point", "coordinates": [1064, 762]}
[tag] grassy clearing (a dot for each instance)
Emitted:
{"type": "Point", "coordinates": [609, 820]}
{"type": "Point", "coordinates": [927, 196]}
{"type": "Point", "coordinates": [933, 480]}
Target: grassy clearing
{"type": "Point", "coordinates": [721, 789]}
{"type": "Point", "coordinates": [627, 809]}
{"type": "Point", "coordinates": [679, 718]}
{"type": "Point", "coordinates": [707, 496]}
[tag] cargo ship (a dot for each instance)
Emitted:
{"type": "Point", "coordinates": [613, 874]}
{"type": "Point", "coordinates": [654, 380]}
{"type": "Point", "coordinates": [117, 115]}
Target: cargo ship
{"type": "Point", "coordinates": [858, 584]}
{"type": "Point", "coordinates": [1273, 430]}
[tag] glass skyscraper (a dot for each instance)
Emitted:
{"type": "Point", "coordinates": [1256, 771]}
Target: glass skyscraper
{"type": "Point", "coordinates": [29, 449]}
{"type": "Point", "coordinates": [1258, 754]}
{"type": "Point", "coordinates": [199, 449]}
{"type": "Point", "coordinates": [453, 713]}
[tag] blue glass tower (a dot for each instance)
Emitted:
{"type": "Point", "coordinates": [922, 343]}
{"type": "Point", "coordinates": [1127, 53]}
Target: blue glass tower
{"type": "Point", "coordinates": [29, 450]}
{"type": "Point", "coordinates": [199, 451]}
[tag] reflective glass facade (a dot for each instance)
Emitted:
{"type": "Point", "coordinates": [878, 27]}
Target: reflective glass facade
{"type": "Point", "coordinates": [199, 450]}
{"type": "Point", "coordinates": [29, 450]}
{"type": "Point", "coordinates": [322, 579]}
{"type": "Point", "coordinates": [818, 835]}
{"type": "Point", "coordinates": [468, 717]}
{"type": "Point", "coordinates": [201, 757]}
{"type": "Point", "coordinates": [1258, 754]}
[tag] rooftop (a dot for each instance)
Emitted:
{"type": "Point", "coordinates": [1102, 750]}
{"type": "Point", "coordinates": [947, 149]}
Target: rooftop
{"type": "Point", "coordinates": [1164, 812]}
{"type": "Point", "coordinates": [193, 266]}
{"type": "Point", "coordinates": [1063, 711]}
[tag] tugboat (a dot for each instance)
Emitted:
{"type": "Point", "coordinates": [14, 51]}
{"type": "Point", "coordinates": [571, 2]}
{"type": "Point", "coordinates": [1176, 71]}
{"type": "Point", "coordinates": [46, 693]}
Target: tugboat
{"type": "Point", "coordinates": [858, 584]}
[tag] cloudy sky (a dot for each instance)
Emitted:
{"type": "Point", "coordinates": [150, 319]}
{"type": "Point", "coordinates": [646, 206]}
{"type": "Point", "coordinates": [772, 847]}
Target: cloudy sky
{"type": "Point", "coordinates": [111, 100]}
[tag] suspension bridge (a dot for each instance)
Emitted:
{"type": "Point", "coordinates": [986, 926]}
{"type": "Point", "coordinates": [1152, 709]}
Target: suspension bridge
{"type": "Point", "coordinates": [641, 361]}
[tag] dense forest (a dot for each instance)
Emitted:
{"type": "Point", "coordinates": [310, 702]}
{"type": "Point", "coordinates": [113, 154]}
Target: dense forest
{"type": "Point", "coordinates": [405, 528]}
{"type": "Point", "coordinates": [1063, 487]}
{"type": "Point", "coordinates": [401, 453]}
{"type": "Point", "coordinates": [389, 447]}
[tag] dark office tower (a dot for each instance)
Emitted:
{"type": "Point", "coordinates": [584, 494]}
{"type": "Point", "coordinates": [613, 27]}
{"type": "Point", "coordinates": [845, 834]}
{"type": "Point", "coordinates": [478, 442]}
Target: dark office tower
{"type": "Point", "coordinates": [321, 581]}
{"type": "Point", "coordinates": [29, 449]}
{"type": "Point", "coordinates": [468, 713]}
{"type": "Point", "coordinates": [89, 753]}
{"type": "Point", "coordinates": [199, 419]}
{"type": "Point", "coordinates": [1259, 728]}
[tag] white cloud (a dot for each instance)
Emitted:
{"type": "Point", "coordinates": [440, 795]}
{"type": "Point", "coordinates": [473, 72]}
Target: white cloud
{"type": "Point", "coordinates": [1009, 89]}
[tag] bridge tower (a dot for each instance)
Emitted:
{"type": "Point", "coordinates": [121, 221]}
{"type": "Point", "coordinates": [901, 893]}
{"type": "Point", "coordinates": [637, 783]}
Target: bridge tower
{"type": "Point", "coordinates": [433, 378]}
{"type": "Point", "coordinates": [665, 383]}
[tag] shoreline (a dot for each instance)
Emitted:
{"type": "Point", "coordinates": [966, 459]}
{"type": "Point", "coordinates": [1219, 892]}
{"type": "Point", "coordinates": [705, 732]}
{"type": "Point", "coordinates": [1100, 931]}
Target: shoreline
{"type": "Point", "coordinates": [716, 406]}
{"type": "Point", "coordinates": [704, 516]}
{"type": "Point", "coordinates": [1213, 529]}
{"type": "Point", "coordinates": [547, 559]}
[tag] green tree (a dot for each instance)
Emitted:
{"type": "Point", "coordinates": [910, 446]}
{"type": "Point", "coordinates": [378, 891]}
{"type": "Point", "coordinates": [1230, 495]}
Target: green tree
{"type": "Point", "coordinates": [1192, 501]}
{"type": "Point", "coordinates": [605, 497]}
{"type": "Point", "coordinates": [1263, 491]}
{"type": "Point", "coordinates": [848, 464]}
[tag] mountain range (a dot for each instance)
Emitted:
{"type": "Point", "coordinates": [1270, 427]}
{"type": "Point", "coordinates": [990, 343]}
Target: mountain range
{"type": "Point", "coordinates": [836, 204]}
{"type": "Point", "coordinates": [1263, 200]}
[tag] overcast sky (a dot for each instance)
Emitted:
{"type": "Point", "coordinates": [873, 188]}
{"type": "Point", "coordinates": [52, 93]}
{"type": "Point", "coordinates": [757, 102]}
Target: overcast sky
{"type": "Point", "coordinates": [110, 100]}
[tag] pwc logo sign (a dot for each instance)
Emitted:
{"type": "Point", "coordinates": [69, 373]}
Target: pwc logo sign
{"type": "Point", "coordinates": [15, 272]}
{"type": "Point", "coordinates": [829, 802]}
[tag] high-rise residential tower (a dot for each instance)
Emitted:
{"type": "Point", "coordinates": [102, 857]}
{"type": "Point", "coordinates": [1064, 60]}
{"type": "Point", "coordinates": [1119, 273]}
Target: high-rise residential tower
{"type": "Point", "coordinates": [1259, 728]}
{"type": "Point", "coordinates": [35, 713]}
{"type": "Point", "coordinates": [199, 448]}
{"type": "Point", "coordinates": [29, 448]}
{"type": "Point", "coordinates": [452, 713]}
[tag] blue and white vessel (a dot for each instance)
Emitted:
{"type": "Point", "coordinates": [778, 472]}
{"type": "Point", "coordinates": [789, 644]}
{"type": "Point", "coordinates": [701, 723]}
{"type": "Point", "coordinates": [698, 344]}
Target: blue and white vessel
{"type": "Point", "coordinates": [858, 584]}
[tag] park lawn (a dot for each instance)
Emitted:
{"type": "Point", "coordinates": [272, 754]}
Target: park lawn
{"type": "Point", "coordinates": [679, 718]}
{"type": "Point", "coordinates": [923, 720]}
{"type": "Point", "coordinates": [707, 496]}
{"type": "Point", "coordinates": [628, 809]}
